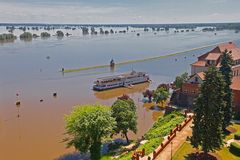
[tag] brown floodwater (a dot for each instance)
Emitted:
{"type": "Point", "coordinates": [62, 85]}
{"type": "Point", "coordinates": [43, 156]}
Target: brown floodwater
{"type": "Point", "coordinates": [35, 130]}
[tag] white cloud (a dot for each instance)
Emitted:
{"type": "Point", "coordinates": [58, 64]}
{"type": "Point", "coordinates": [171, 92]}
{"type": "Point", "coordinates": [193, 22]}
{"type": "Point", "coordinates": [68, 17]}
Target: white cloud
{"type": "Point", "coordinates": [100, 12]}
{"type": "Point", "coordinates": [19, 12]}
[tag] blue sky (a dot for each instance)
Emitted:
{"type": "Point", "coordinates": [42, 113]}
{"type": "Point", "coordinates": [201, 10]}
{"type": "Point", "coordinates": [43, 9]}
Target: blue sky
{"type": "Point", "coordinates": [119, 11]}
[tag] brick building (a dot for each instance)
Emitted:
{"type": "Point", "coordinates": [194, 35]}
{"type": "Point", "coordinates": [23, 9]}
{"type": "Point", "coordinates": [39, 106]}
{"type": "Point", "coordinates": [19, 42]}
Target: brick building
{"type": "Point", "coordinates": [191, 88]}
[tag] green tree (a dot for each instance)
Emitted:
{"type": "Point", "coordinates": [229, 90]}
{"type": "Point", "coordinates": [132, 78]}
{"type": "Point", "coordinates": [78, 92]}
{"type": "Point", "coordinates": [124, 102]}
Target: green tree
{"type": "Point", "coordinates": [226, 69]}
{"type": "Point", "coordinates": [124, 111]}
{"type": "Point", "coordinates": [207, 129]}
{"type": "Point", "coordinates": [149, 95]}
{"type": "Point", "coordinates": [45, 35]}
{"type": "Point", "coordinates": [7, 37]}
{"type": "Point", "coordinates": [26, 36]}
{"type": "Point", "coordinates": [87, 126]}
{"type": "Point", "coordinates": [161, 95]}
{"type": "Point", "coordinates": [180, 80]}
{"type": "Point", "coordinates": [60, 34]}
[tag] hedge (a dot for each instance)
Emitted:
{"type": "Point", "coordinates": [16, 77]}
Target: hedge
{"type": "Point", "coordinates": [155, 135]}
{"type": "Point", "coordinates": [237, 136]}
{"type": "Point", "coordinates": [235, 148]}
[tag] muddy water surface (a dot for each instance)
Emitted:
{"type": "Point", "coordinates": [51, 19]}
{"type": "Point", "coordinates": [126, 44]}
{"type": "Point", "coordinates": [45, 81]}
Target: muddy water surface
{"type": "Point", "coordinates": [34, 130]}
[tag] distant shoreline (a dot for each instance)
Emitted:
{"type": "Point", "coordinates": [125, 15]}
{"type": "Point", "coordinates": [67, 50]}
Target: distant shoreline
{"type": "Point", "coordinates": [123, 25]}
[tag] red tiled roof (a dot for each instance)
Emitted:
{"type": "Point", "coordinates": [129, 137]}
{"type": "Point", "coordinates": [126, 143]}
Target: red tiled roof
{"type": "Point", "coordinates": [199, 63]}
{"type": "Point", "coordinates": [236, 83]}
{"type": "Point", "coordinates": [227, 46]}
{"type": "Point", "coordinates": [235, 53]}
{"type": "Point", "coordinates": [201, 75]}
{"type": "Point", "coordinates": [213, 56]}
{"type": "Point", "coordinates": [222, 47]}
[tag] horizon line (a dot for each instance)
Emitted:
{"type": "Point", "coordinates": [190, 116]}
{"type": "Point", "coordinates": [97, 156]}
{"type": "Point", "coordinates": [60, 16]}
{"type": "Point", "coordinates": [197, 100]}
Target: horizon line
{"type": "Point", "coordinates": [42, 23]}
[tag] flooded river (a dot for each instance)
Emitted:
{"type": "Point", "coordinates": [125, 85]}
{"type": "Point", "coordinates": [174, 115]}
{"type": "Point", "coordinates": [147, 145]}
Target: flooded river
{"type": "Point", "coordinates": [30, 72]}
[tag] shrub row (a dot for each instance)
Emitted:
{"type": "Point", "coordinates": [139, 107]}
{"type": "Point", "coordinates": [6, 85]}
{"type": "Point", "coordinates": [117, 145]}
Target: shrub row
{"type": "Point", "coordinates": [237, 136]}
{"type": "Point", "coordinates": [164, 124]}
{"type": "Point", "coordinates": [235, 148]}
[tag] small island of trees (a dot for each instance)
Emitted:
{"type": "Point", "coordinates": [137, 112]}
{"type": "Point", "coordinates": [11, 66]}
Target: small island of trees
{"type": "Point", "coordinates": [7, 37]}
{"type": "Point", "coordinates": [59, 34]}
{"type": "Point", "coordinates": [26, 36]}
{"type": "Point", "coordinates": [45, 35]}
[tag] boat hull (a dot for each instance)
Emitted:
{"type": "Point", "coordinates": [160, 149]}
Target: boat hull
{"type": "Point", "coordinates": [114, 87]}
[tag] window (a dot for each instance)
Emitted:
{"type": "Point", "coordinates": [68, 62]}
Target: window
{"type": "Point", "coordinates": [196, 79]}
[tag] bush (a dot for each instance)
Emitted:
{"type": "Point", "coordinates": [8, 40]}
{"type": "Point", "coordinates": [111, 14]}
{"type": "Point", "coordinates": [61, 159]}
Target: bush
{"type": "Point", "coordinates": [164, 124]}
{"type": "Point", "coordinates": [237, 136]}
{"type": "Point", "coordinates": [26, 36]}
{"type": "Point", "coordinates": [151, 145]}
{"type": "Point", "coordinates": [235, 148]}
{"type": "Point", "coordinates": [45, 35]}
{"type": "Point", "coordinates": [60, 34]}
{"type": "Point", "coordinates": [7, 37]}
{"type": "Point", "coordinates": [155, 135]}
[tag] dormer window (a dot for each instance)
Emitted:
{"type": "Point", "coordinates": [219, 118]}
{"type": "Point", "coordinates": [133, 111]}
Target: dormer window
{"type": "Point", "coordinates": [210, 62]}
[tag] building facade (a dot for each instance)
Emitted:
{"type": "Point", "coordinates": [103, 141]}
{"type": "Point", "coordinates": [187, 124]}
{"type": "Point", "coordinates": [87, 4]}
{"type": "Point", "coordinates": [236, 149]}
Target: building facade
{"type": "Point", "coordinates": [213, 58]}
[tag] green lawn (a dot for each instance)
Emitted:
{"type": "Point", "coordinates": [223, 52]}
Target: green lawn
{"type": "Point", "coordinates": [185, 149]}
{"type": "Point", "coordinates": [237, 127]}
{"type": "Point", "coordinates": [224, 153]}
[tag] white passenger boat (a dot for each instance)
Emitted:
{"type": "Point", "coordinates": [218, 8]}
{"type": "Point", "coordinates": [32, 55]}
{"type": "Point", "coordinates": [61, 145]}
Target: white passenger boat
{"type": "Point", "coordinates": [123, 80]}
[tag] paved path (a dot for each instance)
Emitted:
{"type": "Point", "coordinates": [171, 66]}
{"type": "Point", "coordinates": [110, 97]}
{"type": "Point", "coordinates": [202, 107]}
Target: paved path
{"type": "Point", "coordinates": [177, 142]}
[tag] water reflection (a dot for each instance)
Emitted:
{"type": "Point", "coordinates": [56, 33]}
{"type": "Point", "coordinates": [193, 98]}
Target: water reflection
{"type": "Point", "coordinates": [109, 94]}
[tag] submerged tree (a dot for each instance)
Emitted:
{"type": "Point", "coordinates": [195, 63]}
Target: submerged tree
{"type": "Point", "coordinates": [45, 35]}
{"type": "Point", "coordinates": [207, 129]}
{"type": "Point", "coordinates": [161, 95]}
{"type": "Point", "coordinates": [149, 94]}
{"type": "Point", "coordinates": [226, 69]}
{"type": "Point", "coordinates": [124, 111]}
{"type": "Point", "coordinates": [85, 31]}
{"type": "Point", "coordinates": [101, 31]}
{"type": "Point", "coordinates": [87, 126]}
{"type": "Point", "coordinates": [26, 36]}
{"type": "Point", "coordinates": [60, 34]}
{"type": "Point", "coordinates": [7, 37]}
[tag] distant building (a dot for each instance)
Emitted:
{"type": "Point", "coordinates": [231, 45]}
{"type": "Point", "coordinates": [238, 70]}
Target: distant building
{"type": "Point", "coordinates": [213, 58]}
{"type": "Point", "coordinates": [191, 88]}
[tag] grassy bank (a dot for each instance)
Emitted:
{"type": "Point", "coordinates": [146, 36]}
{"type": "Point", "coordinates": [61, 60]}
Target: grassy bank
{"type": "Point", "coordinates": [140, 60]}
{"type": "Point", "coordinates": [186, 149]}
{"type": "Point", "coordinates": [155, 135]}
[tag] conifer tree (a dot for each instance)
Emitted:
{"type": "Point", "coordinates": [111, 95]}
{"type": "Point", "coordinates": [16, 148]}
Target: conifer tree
{"type": "Point", "coordinates": [207, 129]}
{"type": "Point", "coordinates": [226, 69]}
